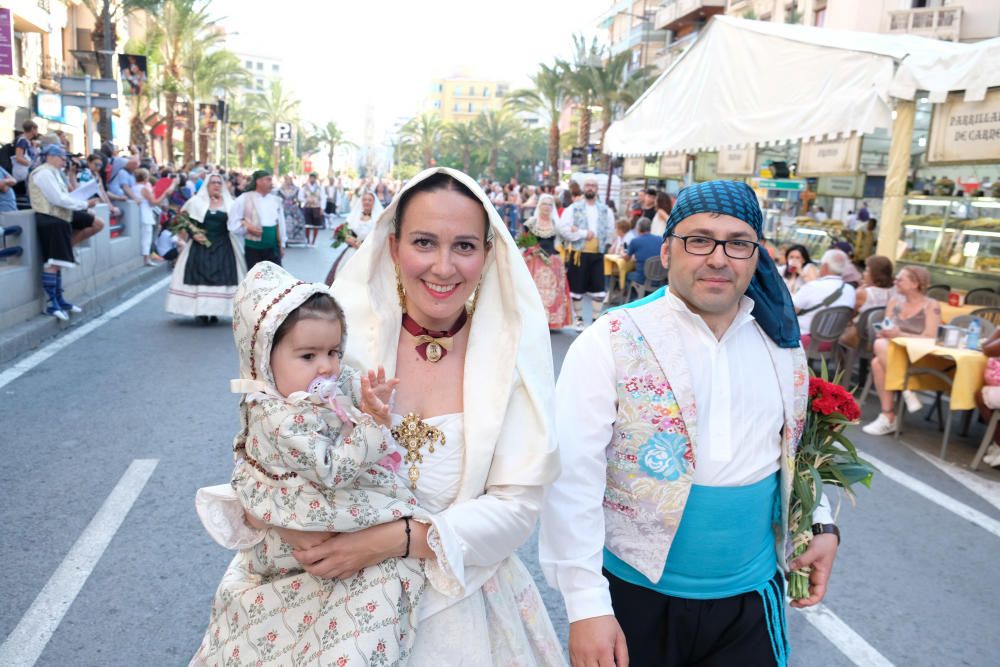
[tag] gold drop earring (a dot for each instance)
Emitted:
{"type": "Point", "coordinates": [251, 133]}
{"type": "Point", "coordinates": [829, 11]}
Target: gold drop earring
{"type": "Point", "coordinates": [475, 299]}
{"type": "Point", "coordinates": [400, 290]}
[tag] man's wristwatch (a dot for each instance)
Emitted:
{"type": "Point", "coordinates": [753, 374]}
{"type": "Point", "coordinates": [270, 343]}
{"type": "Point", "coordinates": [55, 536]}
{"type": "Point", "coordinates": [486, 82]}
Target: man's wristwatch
{"type": "Point", "coordinates": [824, 528]}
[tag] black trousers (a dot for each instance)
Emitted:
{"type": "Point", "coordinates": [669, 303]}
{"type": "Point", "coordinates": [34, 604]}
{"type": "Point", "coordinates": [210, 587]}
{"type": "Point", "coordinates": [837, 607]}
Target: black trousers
{"type": "Point", "coordinates": [255, 255]}
{"type": "Point", "coordinates": [665, 631]}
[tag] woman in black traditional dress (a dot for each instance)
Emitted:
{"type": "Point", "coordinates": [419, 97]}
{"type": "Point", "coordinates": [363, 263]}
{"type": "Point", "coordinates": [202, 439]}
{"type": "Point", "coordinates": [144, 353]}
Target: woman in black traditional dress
{"type": "Point", "coordinates": [211, 264]}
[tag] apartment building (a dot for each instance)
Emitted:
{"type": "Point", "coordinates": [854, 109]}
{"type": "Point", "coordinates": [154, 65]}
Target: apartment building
{"type": "Point", "coordinates": [462, 98]}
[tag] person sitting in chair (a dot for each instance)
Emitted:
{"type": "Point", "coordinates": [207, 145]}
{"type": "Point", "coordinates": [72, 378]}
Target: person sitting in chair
{"type": "Point", "coordinates": [641, 248]}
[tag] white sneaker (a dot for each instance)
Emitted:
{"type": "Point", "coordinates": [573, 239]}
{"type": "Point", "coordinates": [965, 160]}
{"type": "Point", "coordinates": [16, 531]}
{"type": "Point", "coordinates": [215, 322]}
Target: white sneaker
{"type": "Point", "coordinates": [579, 324]}
{"type": "Point", "coordinates": [58, 314]}
{"type": "Point", "coordinates": [992, 456]}
{"type": "Point", "coordinates": [881, 426]}
{"type": "Point", "coordinates": [913, 402]}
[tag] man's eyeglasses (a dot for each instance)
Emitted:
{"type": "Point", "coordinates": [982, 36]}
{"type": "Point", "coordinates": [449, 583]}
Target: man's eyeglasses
{"type": "Point", "coordinates": [704, 245]}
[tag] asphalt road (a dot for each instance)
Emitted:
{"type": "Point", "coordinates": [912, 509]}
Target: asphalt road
{"type": "Point", "coordinates": [914, 581]}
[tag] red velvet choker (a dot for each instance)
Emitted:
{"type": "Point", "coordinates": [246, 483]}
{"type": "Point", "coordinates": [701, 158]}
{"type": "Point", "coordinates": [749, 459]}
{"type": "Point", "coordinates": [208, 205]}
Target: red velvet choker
{"type": "Point", "coordinates": [433, 346]}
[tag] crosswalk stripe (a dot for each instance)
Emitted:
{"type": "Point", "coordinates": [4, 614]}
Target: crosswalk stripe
{"type": "Point", "coordinates": [26, 642]}
{"type": "Point", "coordinates": [847, 641]}
{"type": "Point", "coordinates": [32, 360]}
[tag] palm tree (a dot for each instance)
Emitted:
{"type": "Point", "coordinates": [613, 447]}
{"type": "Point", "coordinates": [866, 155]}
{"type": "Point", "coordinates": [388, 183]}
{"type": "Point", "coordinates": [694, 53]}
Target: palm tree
{"type": "Point", "coordinates": [142, 103]}
{"type": "Point", "coordinates": [277, 106]}
{"type": "Point", "coordinates": [330, 138]}
{"type": "Point", "coordinates": [422, 135]}
{"type": "Point", "coordinates": [494, 128]}
{"type": "Point", "coordinates": [248, 130]}
{"type": "Point", "coordinates": [107, 14]}
{"type": "Point", "coordinates": [184, 23]}
{"type": "Point", "coordinates": [461, 138]}
{"type": "Point", "coordinates": [550, 95]}
{"type": "Point", "coordinates": [614, 88]}
{"type": "Point", "coordinates": [207, 75]}
{"type": "Point", "coordinates": [578, 78]}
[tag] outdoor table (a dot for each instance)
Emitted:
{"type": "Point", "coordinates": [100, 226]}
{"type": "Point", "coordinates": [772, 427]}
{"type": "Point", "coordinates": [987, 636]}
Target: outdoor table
{"type": "Point", "coordinates": [620, 264]}
{"type": "Point", "coordinates": [950, 312]}
{"type": "Point", "coordinates": [920, 364]}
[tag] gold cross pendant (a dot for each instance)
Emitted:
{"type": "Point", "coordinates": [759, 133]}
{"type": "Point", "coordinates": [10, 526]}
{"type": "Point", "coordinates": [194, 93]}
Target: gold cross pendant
{"type": "Point", "coordinates": [413, 434]}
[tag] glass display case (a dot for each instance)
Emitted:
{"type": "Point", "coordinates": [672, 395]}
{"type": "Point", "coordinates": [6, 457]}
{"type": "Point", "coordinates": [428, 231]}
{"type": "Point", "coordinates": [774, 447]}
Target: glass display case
{"type": "Point", "coordinates": [957, 238]}
{"type": "Point", "coordinates": [817, 237]}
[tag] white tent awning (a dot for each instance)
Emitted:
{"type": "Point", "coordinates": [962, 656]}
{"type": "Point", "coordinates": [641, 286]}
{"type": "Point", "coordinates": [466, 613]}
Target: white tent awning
{"type": "Point", "coordinates": [753, 82]}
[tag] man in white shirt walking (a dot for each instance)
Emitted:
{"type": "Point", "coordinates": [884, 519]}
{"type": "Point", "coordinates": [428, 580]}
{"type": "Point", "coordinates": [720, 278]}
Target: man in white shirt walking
{"type": "Point", "coordinates": [688, 403]}
{"type": "Point", "coordinates": [259, 217]}
{"type": "Point", "coordinates": [827, 291]}
{"type": "Point", "coordinates": [586, 227]}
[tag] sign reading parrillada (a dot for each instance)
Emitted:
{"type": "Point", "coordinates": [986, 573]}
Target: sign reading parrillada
{"type": "Point", "coordinates": [965, 131]}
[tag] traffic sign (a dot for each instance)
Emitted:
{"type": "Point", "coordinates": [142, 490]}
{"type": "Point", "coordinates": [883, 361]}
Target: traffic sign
{"type": "Point", "coordinates": [780, 184]}
{"type": "Point", "coordinates": [282, 133]}
{"type": "Point", "coordinates": [78, 84]}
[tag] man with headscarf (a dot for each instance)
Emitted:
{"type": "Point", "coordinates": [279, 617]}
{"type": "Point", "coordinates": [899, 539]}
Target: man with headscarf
{"type": "Point", "coordinates": [259, 217]}
{"type": "Point", "coordinates": [681, 414]}
{"type": "Point", "coordinates": [587, 227]}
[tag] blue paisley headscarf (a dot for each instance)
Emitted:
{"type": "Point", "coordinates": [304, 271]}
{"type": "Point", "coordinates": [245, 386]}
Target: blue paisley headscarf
{"type": "Point", "coordinates": [773, 308]}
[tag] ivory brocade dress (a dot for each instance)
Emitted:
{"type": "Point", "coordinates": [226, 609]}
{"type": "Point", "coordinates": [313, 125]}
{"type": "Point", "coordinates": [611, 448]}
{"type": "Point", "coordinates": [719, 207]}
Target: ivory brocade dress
{"type": "Point", "coordinates": [503, 622]}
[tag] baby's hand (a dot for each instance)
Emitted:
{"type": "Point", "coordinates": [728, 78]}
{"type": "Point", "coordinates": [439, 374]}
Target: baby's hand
{"type": "Point", "coordinates": [375, 394]}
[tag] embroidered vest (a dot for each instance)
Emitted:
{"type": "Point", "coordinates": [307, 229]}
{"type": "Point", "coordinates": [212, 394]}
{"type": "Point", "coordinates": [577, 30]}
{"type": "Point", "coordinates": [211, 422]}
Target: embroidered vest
{"type": "Point", "coordinates": [651, 458]}
{"type": "Point", "coordinates": [38, 200]}
{"type": "Point", "coordinates": [605, 226]}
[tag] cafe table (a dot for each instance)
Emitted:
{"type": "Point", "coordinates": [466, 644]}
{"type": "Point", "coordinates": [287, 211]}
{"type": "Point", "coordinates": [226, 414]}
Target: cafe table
{"type": "Point", "coordinates": [920, 364]}
{"type": "Point", "coordinates": [950, 312]}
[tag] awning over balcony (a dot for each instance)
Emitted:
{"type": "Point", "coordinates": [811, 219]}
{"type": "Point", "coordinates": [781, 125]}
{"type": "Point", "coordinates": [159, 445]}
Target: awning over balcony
{"type": "Point", "coordinates": [749, 82]}
{"type": "Point", "coordinates": [973, 70]}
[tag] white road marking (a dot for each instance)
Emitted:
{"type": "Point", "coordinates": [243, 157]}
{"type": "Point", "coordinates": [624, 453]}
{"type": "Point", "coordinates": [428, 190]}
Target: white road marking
{"type": "Point", "coordinates": [29, 362]}
{"type": "Point", "coordinates": [847, 641]}
{"type": "Point", "coordinates": [26, 642]}
{"type": "Point", "coordinates": [982, 487]}
{"type": "Point", "coordinates": [985, 522]}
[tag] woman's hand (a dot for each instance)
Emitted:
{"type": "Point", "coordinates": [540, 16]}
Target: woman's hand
{"type": "Point", "coordinates": [344, 554]}
{"type": "Point", "coordinates": [301, 539]}
{"type": "Point", "coordinates": [351, 242]}
{"type": "Point", "coordinates": [200, 238]}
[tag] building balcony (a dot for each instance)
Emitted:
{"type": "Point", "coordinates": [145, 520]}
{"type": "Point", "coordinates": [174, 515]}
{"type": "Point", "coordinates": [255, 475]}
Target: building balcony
{"type": "Point", "coordinates": [31, 15]}
{"type": "Point", "coordinates": [640, 33]}
{"type": "Point", "coordinates": [678, 13]}
{"type": "Point", "coordinates": [935, 22]}
{"type": "Point", "coordinates": [50, 72]}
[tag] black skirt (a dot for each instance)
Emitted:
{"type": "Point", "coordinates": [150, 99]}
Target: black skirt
{"type": "Point", "coordinates": [214, 265]}
{"type": "Point", "coordinates": [55, 237]}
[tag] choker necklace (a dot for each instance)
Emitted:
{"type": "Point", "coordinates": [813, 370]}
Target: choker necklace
{"type": "Point", "coordinates": [433, 346]}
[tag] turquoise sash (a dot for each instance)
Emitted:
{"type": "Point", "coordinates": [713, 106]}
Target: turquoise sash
{"type": "Point", "coordinates": [724, 547]}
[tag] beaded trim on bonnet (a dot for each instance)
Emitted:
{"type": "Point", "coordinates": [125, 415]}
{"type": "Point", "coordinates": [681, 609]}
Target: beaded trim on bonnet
{"type": "Point", "coordinates": [263, 300]}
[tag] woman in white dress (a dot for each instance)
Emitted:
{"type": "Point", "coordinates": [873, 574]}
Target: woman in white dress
{"type": "Point", "coordinates": [463, 328]}
{"type": "Point", "coordinates": [361, 221]}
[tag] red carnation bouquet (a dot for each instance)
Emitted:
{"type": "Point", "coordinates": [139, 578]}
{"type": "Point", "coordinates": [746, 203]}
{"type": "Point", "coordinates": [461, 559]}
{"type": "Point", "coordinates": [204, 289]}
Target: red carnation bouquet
{"type": "Point", "coordinates": [824, 456]}
{"type": "Point", "coordinates": [341, 234]}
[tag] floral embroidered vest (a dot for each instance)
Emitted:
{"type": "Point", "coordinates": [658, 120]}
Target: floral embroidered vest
{"type": "Point", "coordinates": [651, 457]}
{"type": "Point", "coordinates": [605, 226]}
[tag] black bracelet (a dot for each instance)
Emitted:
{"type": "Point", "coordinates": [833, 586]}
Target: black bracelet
{"type": "Point", "coordinates": [407, 520]}
{"type": "Point", "coordinates": [826, 528]}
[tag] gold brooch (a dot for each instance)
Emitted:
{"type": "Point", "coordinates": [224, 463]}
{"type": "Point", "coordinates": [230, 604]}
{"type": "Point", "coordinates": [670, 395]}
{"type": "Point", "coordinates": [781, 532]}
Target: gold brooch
{"type": "Point", "coordinates": [413, 434]}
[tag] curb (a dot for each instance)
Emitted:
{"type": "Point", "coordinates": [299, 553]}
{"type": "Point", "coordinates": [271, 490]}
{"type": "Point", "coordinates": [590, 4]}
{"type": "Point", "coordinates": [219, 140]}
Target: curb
{"type": "Point", "coordinates": [26, 336]}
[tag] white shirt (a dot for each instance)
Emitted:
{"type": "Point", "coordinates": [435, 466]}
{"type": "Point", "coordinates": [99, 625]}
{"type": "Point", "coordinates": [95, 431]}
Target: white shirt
{"type": "Point", "coordinates": [740, 417]}
{"type": "Point", "coordinates": [270, 212]}
{"type": "Point", "coordinates": [55, 190]}
{"type": "Point", "coordinates": [566, 221]}
{"type": "Point", "coordinates": [317, 191]}
{"type": "Point", "coordinates": [815, 292]}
